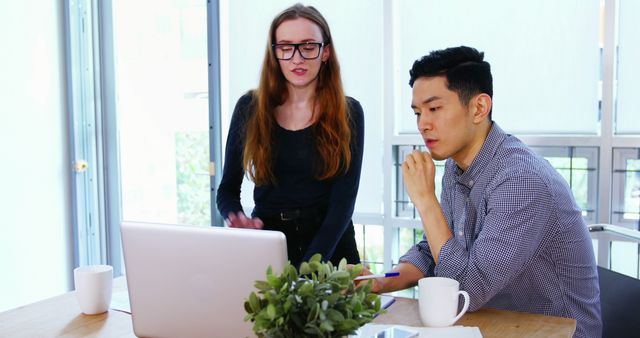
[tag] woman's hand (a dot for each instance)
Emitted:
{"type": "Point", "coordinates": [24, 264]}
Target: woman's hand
{"type": "Point", "coordinates": [239, 220]}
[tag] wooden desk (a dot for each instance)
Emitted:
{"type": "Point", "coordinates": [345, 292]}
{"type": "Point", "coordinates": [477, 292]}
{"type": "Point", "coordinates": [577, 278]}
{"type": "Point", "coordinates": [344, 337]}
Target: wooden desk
{"type": "Point", "coordinates": [60, 317]}
{"type": "Point", "coordinates": [492, 322]}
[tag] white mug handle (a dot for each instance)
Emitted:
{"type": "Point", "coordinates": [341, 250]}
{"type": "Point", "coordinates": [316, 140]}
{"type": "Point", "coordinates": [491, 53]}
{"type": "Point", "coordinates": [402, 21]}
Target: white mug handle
{"type": "Point", "coordinates": [464, 307]}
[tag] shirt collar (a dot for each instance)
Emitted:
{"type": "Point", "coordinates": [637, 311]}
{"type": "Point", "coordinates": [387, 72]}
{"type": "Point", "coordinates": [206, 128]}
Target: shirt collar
{"type": "Point", "coordinates": [487, 151]}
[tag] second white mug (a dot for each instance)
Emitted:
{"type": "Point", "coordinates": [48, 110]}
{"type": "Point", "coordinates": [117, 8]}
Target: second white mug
{"type": "Point", "coordinates": [438, 301]}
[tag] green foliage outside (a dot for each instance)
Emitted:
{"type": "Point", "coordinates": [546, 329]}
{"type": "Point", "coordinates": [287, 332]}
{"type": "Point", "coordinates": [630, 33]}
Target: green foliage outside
{"type": "Point", "coordinates": [319, 301]}
{"type": "Point", "coordinates": [192, 168]}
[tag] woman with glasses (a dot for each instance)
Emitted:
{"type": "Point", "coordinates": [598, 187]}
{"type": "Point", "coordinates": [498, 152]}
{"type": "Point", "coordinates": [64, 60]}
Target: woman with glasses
{"type": "Point", "coordinates": [300, 140]}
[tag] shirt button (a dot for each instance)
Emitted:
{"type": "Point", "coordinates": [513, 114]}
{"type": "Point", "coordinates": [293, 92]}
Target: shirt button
{"type": "Point", "coordinates": [471, 183]}
{"type": "Point", "coordinates": [460, 233]}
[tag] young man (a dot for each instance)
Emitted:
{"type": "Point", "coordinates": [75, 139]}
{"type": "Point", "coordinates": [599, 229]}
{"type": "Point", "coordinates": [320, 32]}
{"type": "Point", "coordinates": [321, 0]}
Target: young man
{"type": "Point", "coordinates": [507, 226]}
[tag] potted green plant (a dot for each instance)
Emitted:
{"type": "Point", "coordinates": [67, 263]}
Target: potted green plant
{"type": "Point", "coordinates": [320, 300]}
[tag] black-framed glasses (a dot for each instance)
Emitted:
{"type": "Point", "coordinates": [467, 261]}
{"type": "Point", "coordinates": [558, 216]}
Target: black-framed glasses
{"type": "Point", "coordinates": [308, 50]}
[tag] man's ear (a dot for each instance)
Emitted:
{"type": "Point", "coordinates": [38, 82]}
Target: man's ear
{"type": "Point", "coordinates": [481, 106]}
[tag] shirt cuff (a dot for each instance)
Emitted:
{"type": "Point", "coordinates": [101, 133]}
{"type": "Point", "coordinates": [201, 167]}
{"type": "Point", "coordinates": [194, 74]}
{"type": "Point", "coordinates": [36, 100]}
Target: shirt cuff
{"type": "Point", "coordinates": [421, 258]}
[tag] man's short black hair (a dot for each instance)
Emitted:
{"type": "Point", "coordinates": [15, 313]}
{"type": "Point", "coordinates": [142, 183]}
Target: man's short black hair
{"type": "Point", "coordinates": [463, 67]}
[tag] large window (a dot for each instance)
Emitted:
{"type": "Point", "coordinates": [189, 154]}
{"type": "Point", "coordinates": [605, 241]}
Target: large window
{"type": "Point", "coordinates": [539, 51]}
{"type": "Point", "coordinates": [160, 57]}
{"type": "Point", "coordinates": [628, 71]}
{"type": "Point", "coordinates": [555, 86]}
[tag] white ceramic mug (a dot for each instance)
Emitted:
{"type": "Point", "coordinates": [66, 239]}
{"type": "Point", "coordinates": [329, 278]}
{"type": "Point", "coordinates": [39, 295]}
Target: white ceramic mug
{"type": "Point", "coordinates": [94, 285]}
{"type": "Point", "coordinates": [438, 301]}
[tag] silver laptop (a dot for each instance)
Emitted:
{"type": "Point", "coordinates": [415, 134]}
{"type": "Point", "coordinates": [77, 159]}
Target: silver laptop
{"type": "Point", "coordinates": [187, 281]}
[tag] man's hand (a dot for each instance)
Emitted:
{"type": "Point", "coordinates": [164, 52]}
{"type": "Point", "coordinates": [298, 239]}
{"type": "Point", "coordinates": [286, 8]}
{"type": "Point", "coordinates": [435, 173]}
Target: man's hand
{"type": "Point", "coordinates": [409, 276]}
{"type": "Point", "coordinates": [239, 220]}
{"type": "Point", "coordinates": [419, 171]}
{"type": "Point", "coordinates": [378, 283]}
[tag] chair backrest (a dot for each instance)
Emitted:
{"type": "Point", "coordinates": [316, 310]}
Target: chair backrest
{"type": "Point", "coordinates": [620, 304]}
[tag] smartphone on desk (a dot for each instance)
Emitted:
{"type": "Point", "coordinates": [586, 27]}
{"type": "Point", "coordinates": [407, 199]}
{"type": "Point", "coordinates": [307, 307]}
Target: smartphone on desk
{"type": "Point", "coordinates": [396, 332]}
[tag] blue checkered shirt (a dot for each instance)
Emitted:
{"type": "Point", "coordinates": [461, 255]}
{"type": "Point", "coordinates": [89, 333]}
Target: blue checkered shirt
{"type": "Point", "coordinates": [520, 242]}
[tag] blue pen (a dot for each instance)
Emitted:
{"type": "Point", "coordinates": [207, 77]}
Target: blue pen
{"type": "Point", "coordinates": [382, 275]}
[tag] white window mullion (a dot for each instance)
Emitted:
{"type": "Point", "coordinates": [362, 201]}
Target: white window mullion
{"type": "Point", "coordinates": [389, 120]}
{"type": "Point", "coordinates": [606, 111]}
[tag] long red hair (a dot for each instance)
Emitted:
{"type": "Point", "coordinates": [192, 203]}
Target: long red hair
{"type": "Point", "coordinates": [331, 129]}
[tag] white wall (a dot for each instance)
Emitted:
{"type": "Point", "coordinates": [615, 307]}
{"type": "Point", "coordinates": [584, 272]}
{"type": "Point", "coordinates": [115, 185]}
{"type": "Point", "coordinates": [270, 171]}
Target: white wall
{"type": "Point", "coordinates": [35, 232]}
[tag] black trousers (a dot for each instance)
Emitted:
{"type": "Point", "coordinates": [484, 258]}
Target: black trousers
{"type": "Point", "coordinates": [300, 227]}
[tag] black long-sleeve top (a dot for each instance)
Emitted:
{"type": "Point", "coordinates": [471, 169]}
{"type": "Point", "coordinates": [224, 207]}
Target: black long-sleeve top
{"type": "Point", "coordinates": [294, 170]}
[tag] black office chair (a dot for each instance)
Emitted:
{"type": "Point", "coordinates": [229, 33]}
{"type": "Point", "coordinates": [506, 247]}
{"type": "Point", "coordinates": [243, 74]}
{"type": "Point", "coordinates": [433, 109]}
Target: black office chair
{"type": "Point", "coordinates": [620, 304]}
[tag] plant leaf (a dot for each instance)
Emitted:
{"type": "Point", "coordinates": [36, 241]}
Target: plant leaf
{"type": "Point", "coordinates": [340, 275]}
{"type": "Point", "coordinates": [326, 326]}
{"type": "Point", "coordinates": [262, 285]}
{"type": "Point", "coordinates": [305, 269]}
{"type": "Point", "coordinates": [316, 258]}
{"type": "Point", "coordinates": [313, 314]}
{"type": "Point", "coordinates": [335, 315]}
{"type": "Point", "coordinates": [290, 272]}
{"type": "Point", "coordinates": [306, 289]}
{"type": "Point", "coordinates": [312, 330]}
{"type": "Point", "coordinates": [348, 324]}
{"type": "Point", "coordinates": [254, 302]}
{"type": "Point", "coordinates": [343, 264]}
{"type": "Point", "coordinates": [356, 270]}
{"type": "Point", "coordinates": [315, 266]}
{"type": "Point", "coordinates": [274, 281]}
{"type": "Point", "coordinates": [271, 311]}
